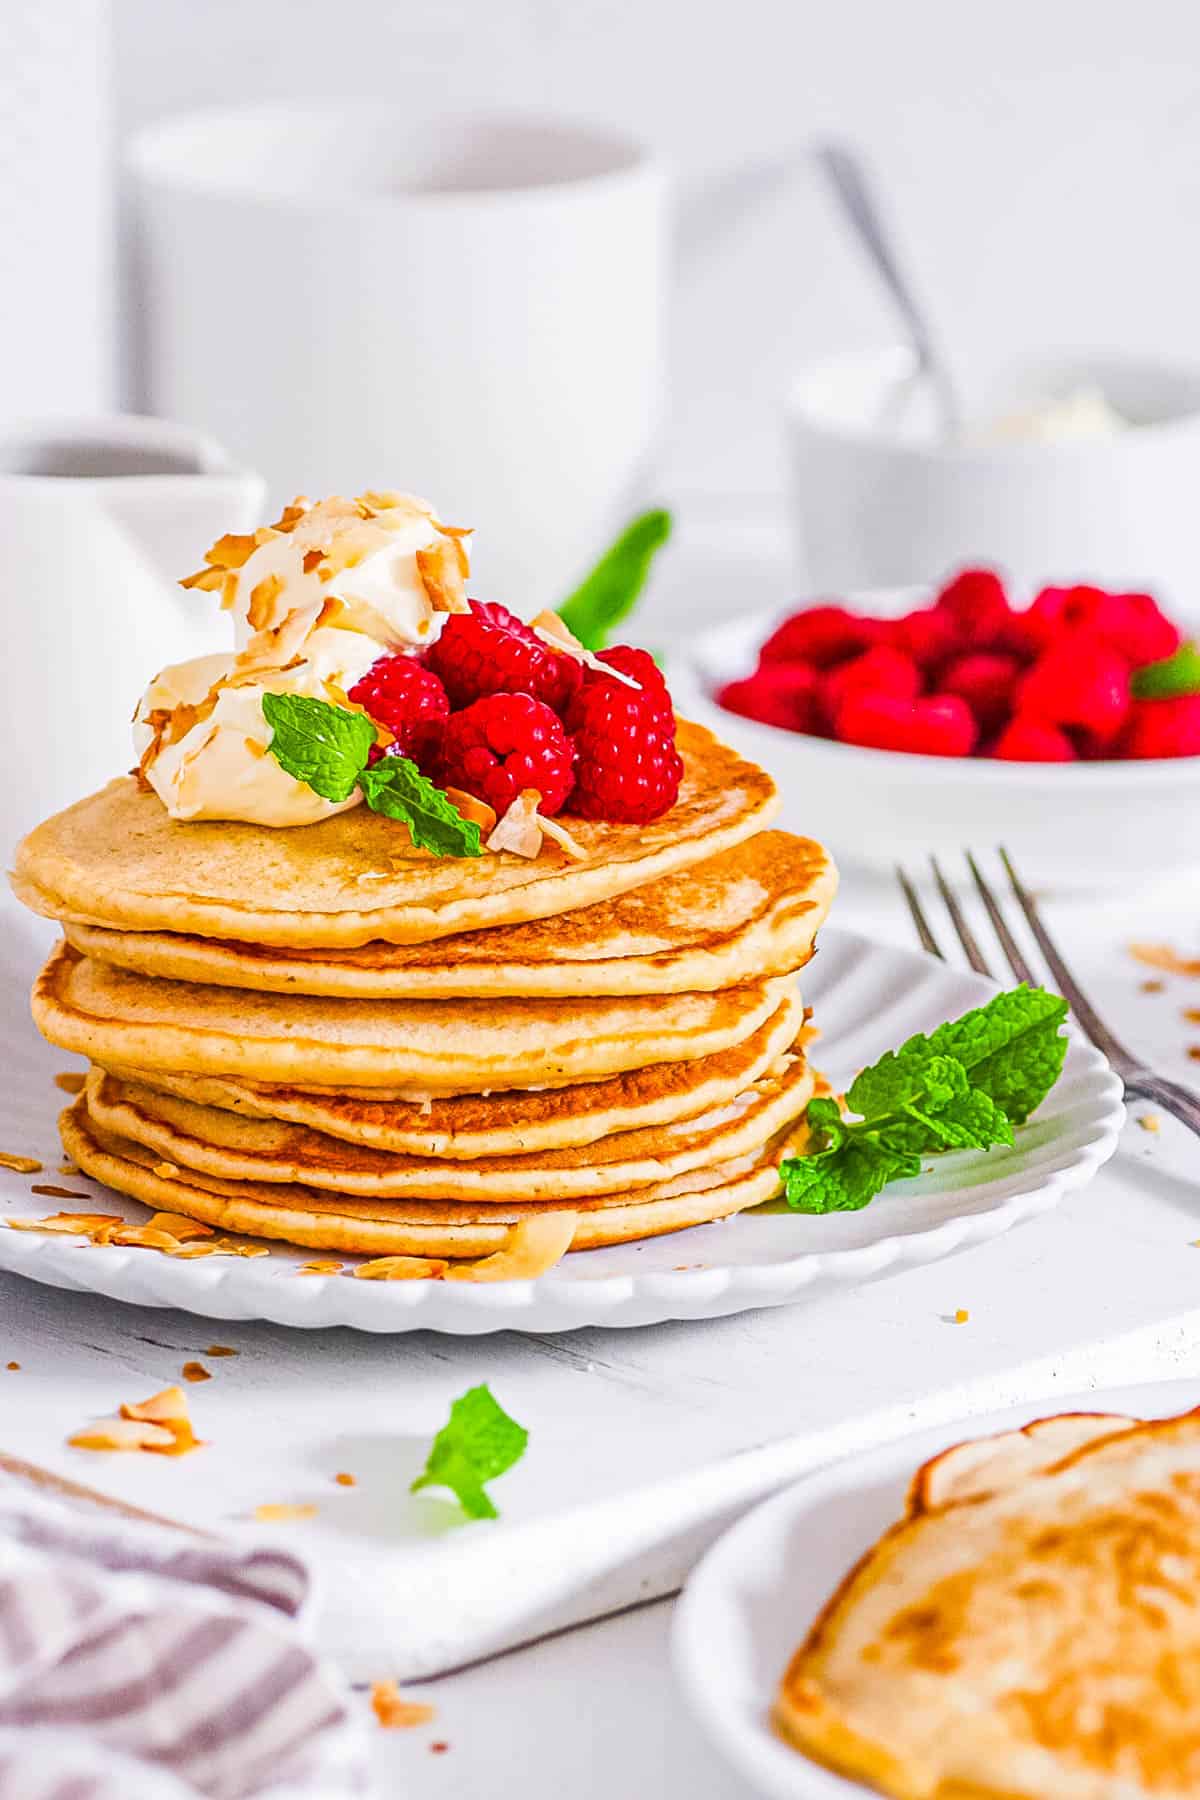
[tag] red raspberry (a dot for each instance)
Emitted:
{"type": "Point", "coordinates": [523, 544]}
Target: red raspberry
{"type": "Point", "coordinates": [928, 635]}
{"type": "Point", "coordinates": [1163, 728]}
{"type": "Point", "coordinates": [627, 768]}
{"type": "Point", "coordinates": [878, 671]}
{"type": "Point", "coordinates": [777, 694]}
{"type": "Point", "coordinates": [1031, 740]}
{"type": "Point", "coordinates": [490, 651]}
{"type": "Point", "coordinates": [976, 601]}
{"type": "Point", "coordinates": [986, 680]}
{"type": "Point", "coordinates": [1133, 624]}
{"type": "Point", "coordinates": [502, 744]}
{"type": "Point", "coordinates": [821, 635]}
{"type": "Point", "coordinates": [642, 668]}
{"type": "Point", "coordinates": [1081, 684]}
{"type": "Point", "coordinates": [1143, 633]}
{"type": "Point", "coordinates": [939, 725]}
{"type": "Point", "coordinates": [399, 693]}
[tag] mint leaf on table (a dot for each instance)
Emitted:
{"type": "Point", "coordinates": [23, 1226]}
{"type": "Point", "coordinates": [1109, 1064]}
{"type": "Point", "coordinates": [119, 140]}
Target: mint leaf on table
{"type": "Point", "coordinates": [324, 746]}
{"type": "Point", "coordinates": [962, 1087]}
{"type": "Point", "coordinates": [327, 747]}
{"type": "Point", "coordinates": [1171, 679]}
{"type": "Point", "coordinates": [609, 593]}
{"type": "Point", "coordinates": [478, 1442]}
{"type": "Point", "coordinates": [395, 786]}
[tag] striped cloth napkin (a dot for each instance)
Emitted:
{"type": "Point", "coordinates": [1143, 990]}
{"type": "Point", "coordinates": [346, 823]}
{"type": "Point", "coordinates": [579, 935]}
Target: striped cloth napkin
{"type": "Point", "coordinates": [137, 1663]}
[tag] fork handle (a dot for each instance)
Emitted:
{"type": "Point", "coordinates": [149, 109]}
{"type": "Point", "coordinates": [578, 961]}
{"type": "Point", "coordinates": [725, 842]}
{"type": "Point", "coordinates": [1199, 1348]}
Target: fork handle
{"type": "Point", "coordinates": [1172, 1096]}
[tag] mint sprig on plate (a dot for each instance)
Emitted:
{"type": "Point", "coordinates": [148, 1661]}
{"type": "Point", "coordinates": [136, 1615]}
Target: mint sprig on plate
{"type": "Point", "coordinates": [962, 1087]}
{"type": "Point", "coordinates": [478, 1442]}
{"type": "Point", "coordinates": [609, 593]}
{"type": "Point", "coordinates": [1171, 679]}
{"type": "Point", "coordinates": [327, 748]}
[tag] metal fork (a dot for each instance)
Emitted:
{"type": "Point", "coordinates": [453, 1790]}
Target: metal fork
{"type": "Point", "coordinates": [1141, 1083]}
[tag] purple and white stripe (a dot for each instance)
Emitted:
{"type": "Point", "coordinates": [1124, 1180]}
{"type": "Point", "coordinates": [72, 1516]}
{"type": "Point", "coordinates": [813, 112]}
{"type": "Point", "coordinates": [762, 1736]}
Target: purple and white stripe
{"type": "Point", "coordinates": [137, 1664]}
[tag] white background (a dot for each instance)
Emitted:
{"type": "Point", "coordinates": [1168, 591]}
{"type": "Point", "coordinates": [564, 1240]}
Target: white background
{"type": "Point", "coordinates": [1042, 159]}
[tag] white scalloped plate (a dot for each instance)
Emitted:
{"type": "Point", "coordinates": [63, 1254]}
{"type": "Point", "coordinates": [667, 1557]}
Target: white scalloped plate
{"type": "Point", "coordinates": [750, 1601]}
{"type": "Point", "coordinates": [868, 998]}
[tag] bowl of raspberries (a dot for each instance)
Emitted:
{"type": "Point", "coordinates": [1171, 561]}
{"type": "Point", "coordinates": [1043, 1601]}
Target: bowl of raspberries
{"type": "Point", "coordinates": [1067, 728]}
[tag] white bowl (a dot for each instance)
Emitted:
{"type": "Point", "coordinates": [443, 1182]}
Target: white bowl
{"type": "Point", "coordinates": [879, 501]}
{"type": "Point", "coordinates": [1070, 826]}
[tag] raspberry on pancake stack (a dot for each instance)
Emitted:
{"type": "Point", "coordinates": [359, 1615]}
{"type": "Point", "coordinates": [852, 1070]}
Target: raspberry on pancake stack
{"type": "Point", "coordinates": [419, 931]}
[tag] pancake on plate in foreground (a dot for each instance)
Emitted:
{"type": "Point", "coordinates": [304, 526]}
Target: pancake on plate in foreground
{"type": "Point", "coordinates": [422, 932]}
{"type": "Point", "coordinates": [1029, 1631]}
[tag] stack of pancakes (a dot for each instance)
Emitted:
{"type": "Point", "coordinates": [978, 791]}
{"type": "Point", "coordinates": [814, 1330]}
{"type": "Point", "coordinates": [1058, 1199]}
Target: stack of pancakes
{"type": "Point", "coordinates": [325, 1036]}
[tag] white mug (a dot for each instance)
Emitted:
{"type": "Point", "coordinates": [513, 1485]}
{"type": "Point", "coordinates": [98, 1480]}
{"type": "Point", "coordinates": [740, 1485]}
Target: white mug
{"type": "Point", "coordinates": [99, 518]}
{"type": "Point", "coordinates": [471, 311]}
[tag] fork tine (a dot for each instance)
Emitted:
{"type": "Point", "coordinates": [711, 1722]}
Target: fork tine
{"type": "Point", "coordinates": [1084, 1012]}
{"type": "Point", "coordinates": [928, 941]}
{"type": "Point", "coordinates": [1008, 943]}
{"type": "Point", "coordinates": [958, 919]}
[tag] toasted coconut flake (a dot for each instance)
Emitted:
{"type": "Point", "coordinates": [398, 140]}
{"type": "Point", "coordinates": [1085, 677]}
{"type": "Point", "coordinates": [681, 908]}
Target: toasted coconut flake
{"type": "Point", "coordinates": [195, 1371]}
{"type": "Point", "coordinates": [70, 1081]}
{"type": "Point", "coordinates": [395, 1712]}
{"type": "Point", "coordinates": [68, 1224]}
{"type": "Point", "coordinates": [345, 1480]}
{"type": "Point", "coordinates": [141, 1237]}
{"type": "Point", "coordinates": [1161, 956]}
{"type": "Point", "coordinates": [441, 569]}
{"type": "Point", "coordinates": [123, 1434]}
{"type": "Point", "coordinates": [562, 837]}
{"type": "Point", "coordinates": [477, 810]}
{"type": "Point", "coordinates": [234, 549]}
{"type": "Point", "coordinates": [179, 1226]}
{"type": "Point", "coordinates": [402, 1268]}
{"type": "Point", "coordinates": [323, 1266]}
{"type": "Point", "coordinates": [167, 1171]}
{"type": "Point", "coordinates": [520, 829]}
{"type": "Point", "coordinates": [280, 1512]}
{"type": "Point", "coordinates": [263, 596]}
{"type": "Point", "coordinates": [168, 1409]}
{"type": "Point", "coordinates": [558, 636]}
{"type": "Point", "coordinates": [12, 1365]}
{"type": "Point", "coordinates": [20, 1165]}
{"type": "Point", "coordinates": [51, 1191]}
{"type": "Point", "coordinates": [220, 1350]}
{"type": "Point", "coordinates": [534, 1245]}
{"type": "Point", "coordinates": [209, 580]}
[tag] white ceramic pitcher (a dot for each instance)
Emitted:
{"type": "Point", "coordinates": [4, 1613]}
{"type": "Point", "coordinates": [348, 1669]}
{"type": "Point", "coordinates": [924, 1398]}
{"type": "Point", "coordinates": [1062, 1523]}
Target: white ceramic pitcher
{"type": "Point", "coordinates": [98, 520]}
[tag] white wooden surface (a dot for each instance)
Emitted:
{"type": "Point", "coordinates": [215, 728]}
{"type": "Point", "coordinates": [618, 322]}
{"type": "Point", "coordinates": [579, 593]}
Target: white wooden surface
{"type": "Point", "coordinates": [1105, 1290]}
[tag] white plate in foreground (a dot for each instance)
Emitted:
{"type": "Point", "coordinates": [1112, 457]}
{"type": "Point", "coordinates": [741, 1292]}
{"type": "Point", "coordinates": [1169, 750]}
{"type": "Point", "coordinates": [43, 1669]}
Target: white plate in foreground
{"type": "Point", "coordinates": [868, 998]}
{"type": "Point", "coordinates": [750, 1603]}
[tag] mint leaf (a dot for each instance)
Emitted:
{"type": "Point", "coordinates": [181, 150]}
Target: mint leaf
{"type": "Point", "coordinates": [609, 593]}
{"type": "Point", "coordinates": [1012, 1048]}
{"type": "Point", "coordinates": [324, 746]}
{"type": "Point", "coordinates": [327, 748]}
{"type": "Point", "coordinates": [478, 1442]}
{"type": "Point", "coordinates": [1170, 679]}
{"type": "Point", "coordinates": [844, 1179]}
{"type": "Point", "coordinates": [962, 1087]}
{"type": "Point", "coordinates": [396, 786]}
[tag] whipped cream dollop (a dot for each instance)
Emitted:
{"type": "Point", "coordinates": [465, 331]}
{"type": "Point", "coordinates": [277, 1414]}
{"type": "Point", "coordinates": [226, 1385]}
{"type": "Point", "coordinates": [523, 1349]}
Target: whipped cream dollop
{"type": "Point", "coordinates": [316, 599]}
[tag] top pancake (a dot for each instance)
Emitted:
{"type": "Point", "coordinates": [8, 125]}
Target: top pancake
{"type": "Point", "coordinates": [117, 860]}
{"type": "Point", "coordinates": [753, 911]}
{"type": "Point", "coordinates": [1039, 1640]}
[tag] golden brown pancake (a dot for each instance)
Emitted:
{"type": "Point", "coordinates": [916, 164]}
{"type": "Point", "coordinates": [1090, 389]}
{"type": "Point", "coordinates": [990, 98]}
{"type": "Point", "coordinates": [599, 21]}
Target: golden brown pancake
{"type": "Point", "coordinates": [1039, 1641]}
{"type": "Point", "coordinates": [223, 1144]}
{"type": "Point", "coordinates": [117, 860]}
{"type": "Point", "coordinates": [512, 1122]}
{"type": "Point", "coordinates": [304, 1216]}
{"type": "Point", "coordinates": [135, 1022]}
{"type": "Point", "coordinates": [748, 913]}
